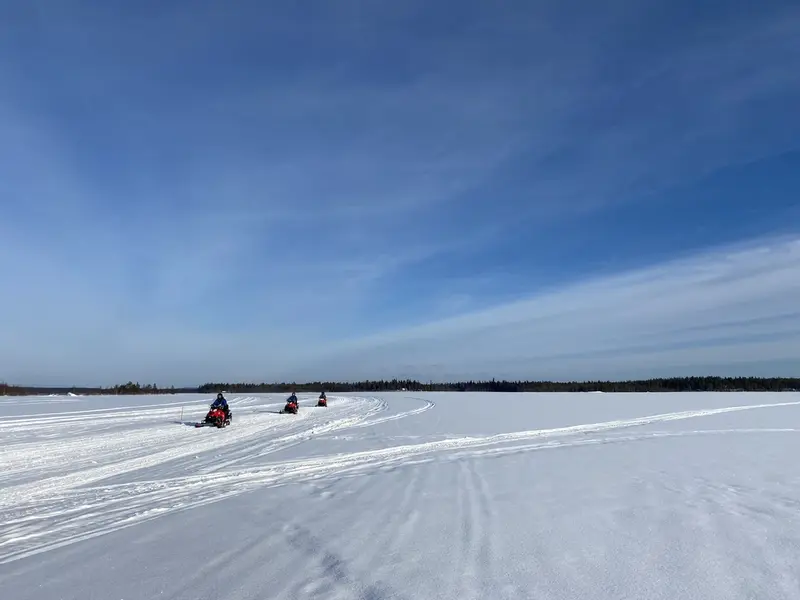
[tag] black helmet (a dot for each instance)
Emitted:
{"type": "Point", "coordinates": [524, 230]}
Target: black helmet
{"type": "Point", "coordinates": [220, 396]}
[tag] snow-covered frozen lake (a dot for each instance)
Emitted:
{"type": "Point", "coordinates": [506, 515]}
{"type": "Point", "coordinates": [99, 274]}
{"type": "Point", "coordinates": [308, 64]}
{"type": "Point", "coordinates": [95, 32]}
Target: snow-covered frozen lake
{"type": "Point", "coordinates": [402, 496]}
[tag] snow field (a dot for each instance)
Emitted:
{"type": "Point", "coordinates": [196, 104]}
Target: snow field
{"type": "Point", "coordinates": [404, 496]}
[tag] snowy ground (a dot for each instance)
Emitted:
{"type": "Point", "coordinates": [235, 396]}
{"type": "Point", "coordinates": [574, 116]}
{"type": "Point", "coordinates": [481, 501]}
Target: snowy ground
{"type": "Point", "coordinates": [495, 496]}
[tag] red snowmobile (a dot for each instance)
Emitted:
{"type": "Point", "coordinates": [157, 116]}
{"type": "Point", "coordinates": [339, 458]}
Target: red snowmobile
{"type": "Point", "coordinates": [216, 417]}
{"type": "Point", "coordinates": [291, 406]}
{"type": "Point", "coordinates": [323, 401]}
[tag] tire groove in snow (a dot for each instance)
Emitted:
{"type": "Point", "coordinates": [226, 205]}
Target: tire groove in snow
{"type": "Point", "coordinates": [386, 528]}
{"type": "Point", "coordinates": [410, 515]}
{"type": "Point", "coordinates": [141, 459]}
{"type": "Point", "coordinates": [336, 577]}
{"type": "Point", "coordinates": [70, 509]}
{"type": "Point", "coordinates": [316, 580]}
{"type": "Point", "coordinates": [471, 534]}
{"type": "Point", "coordinates": [487, 553]}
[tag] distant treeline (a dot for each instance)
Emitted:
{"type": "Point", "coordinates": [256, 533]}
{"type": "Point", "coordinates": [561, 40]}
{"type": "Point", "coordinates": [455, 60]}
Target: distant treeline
{"type": "Point", "coordinates": [122, 389]}
{"type": "Point", "coordinates": [673, 384]}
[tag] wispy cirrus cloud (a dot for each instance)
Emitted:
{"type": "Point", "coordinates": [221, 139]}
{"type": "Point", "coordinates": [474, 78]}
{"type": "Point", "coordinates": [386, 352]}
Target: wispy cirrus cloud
{"type": "Point", "coordinates": [731, 306]}
{"type": "Point", "coordinates": [247, 185]}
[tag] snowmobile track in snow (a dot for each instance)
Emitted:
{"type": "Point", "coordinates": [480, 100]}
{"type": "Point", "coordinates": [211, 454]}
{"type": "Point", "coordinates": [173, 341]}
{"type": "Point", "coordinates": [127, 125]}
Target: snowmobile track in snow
{"type": "Point", "coordinates": [102, 478]}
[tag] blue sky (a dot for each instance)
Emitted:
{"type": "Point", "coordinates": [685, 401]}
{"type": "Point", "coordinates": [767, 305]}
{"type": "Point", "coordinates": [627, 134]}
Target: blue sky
{"type": "Point", "coordinates": [272, 190]}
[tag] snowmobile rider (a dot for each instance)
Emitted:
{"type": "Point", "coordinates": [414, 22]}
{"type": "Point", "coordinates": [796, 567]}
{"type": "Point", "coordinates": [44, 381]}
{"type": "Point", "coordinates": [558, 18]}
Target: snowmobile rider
{"type": "Point", "coordinates": [292, 398]}
{"type": "Point", "coordinates": [322, 396]}
{"type": "Point", "coordinates": [222, 403]}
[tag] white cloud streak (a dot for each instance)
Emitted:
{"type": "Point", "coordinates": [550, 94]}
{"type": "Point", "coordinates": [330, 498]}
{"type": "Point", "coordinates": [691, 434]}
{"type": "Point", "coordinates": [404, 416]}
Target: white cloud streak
{"type": "Point", "coordinates": [733, 305]}
{"type": "Point", "coordinates": [295, 194]}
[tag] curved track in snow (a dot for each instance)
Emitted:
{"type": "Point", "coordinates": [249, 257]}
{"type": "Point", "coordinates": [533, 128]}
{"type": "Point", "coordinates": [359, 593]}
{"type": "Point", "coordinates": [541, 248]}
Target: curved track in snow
{"type": "Point", "coordinates": [93, 471]}
{"type": "Point", "coordinates": [367, 513]}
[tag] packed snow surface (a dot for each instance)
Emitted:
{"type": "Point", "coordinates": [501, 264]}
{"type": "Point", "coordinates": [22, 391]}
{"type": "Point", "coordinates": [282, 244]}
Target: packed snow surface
{"type": "Point", "coordinates": [402, 495]}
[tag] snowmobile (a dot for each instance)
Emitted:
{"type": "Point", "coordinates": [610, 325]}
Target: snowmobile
{"type": "Point", "coordinates": [291, 407]}
{"type": "Point", "coordinates": [216, 417]}
{"type": "Point", "coordinates": [323, 401]}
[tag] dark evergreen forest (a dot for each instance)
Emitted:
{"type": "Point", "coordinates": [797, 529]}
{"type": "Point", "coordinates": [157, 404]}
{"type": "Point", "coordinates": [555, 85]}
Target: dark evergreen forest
{"type": "Point", "coordinates": [673, 384]}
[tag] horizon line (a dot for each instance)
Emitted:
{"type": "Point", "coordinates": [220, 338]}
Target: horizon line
{"type": "Point", "coordinates": [7, 385]}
